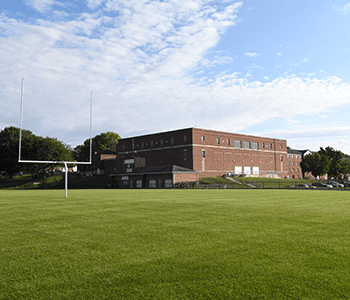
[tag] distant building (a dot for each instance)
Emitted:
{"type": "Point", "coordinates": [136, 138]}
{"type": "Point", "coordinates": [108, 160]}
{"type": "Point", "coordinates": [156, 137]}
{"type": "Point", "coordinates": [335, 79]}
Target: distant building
{"type": "Point", "coordinates": [154, 160]}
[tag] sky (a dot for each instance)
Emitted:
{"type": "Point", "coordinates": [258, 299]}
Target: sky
{"type": "Point", "coordinates": [269, 68]}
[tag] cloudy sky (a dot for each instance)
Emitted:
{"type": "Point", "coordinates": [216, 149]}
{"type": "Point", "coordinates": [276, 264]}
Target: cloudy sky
{"type": "Point", "coordinates": [261, 67]}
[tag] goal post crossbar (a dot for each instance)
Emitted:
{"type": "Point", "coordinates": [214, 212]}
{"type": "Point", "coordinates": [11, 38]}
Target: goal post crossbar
{"type": "Point", "coordinates": [53, 161]}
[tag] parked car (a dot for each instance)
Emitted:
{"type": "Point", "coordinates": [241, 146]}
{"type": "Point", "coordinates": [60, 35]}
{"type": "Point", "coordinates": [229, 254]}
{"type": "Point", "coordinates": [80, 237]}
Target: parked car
{"type": "Point", "coordinates": [303, 185]}
{"type": "Point", "coordinates": [321, 184]}
{"type": "Point", "coordinates": [336, 184]}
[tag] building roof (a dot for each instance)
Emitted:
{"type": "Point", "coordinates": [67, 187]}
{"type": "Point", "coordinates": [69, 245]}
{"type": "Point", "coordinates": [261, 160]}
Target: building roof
{"type": "Point", "coordinates": [296, 151]}
{"type": "Point", "coordinates": [167, 169]}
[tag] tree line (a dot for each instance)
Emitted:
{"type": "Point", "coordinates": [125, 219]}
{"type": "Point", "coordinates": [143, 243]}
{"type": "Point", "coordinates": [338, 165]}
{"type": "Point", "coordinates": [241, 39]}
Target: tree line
{"type": "Point", "coordinates": [328, 161]}
{"type": "Point", "coordinates": [45, 148]}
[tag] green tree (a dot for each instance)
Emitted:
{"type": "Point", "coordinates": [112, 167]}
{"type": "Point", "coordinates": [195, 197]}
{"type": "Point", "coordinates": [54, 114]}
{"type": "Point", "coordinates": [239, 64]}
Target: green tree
{"type": "Point", "coordinates": [103, 141]}
{"type": "Point", "coordinates": [33, 148]}
{"type": "Point", "coordinates": [316, 164]}
{"type": "Point", "coordinates": [335, 157]}
{"type": "Point", "coordinates": [345, 166]}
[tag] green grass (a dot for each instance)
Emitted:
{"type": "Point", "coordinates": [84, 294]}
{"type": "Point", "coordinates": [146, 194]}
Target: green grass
{"type": "Point", "coordinates": [174, 244]}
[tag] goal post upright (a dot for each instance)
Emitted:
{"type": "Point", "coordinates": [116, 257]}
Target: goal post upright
{"type": "Point", "coordinates": [53, 161]}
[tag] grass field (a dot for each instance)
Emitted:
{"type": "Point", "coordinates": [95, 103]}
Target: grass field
{"type": "Point", "coordinates": [174, 244]}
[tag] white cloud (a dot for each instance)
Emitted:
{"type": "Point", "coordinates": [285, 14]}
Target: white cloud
{"type": "Point", "coordinates": [140, 64]}
{"type": "Point", "coordinates": [343, 9]}
{"type": "Point", "coordinates": [40, 5]}
{"type": "Point", "coordinates": [249, 54]}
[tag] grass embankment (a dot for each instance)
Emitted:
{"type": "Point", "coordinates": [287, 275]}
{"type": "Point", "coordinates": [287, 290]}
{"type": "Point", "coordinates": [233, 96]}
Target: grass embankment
{"type": "Point", "coordinates": [174, 244]}
{"type": "Point", "coordinates": [27, 182]}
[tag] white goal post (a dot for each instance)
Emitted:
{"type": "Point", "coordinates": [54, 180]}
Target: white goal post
{"type": "Point", "coordinates": [52, 161]}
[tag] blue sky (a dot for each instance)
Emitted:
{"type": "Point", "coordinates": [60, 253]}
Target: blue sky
{"type": "Point", "coordinates": [271, 68]}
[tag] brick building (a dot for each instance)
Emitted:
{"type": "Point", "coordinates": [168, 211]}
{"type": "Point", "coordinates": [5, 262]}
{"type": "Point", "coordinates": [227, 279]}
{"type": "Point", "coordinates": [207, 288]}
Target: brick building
{"type": "Point", "coordinates": [194, 152]}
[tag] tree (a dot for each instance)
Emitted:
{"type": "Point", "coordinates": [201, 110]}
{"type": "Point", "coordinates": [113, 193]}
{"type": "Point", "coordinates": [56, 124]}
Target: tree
{"type": "Point", "coordinates": [345, 166]}
{"type": "Point", "coordinates": [335, 157]}
{"type": "Point", "coordinates": [9, 149]}
{"type": "Point", "coordinates": [316, 164]}
{"type": "Point", "coordinates": [103, 141]}
{"type": "Point", "coordinates": [33, 148]}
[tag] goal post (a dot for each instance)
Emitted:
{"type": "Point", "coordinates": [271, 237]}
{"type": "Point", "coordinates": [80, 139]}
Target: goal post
{"type": "Point", "coordinates": [52, 161]}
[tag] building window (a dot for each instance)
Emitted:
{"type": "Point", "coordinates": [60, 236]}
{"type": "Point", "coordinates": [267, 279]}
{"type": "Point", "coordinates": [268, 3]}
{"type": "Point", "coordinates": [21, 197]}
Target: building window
{"type": "Point", "coordinates": [185, 138]}
{"type": "Point", "coordinates": [296, 163]}
{"type": "Point", "coordinates": [288, 169]}
{"type": "Point", "coordinates": [263, 145]}
{"type": "Point", "coordinates": [280, 146]}
{"type": "Point", "coordinates": [203, 153]}
{"type": "Point", "coordinates": [139, 184]}
{"type": "Point", "coordinates": [293, 163]}
{"type": "Point", "coordinates": [152, 183]}
{"type": "Point", "coordinates": [161, 142]}
{"type": "Point", "coordinates": [151, 143]}
{"type": "Point", "coordinates": [292, 156]}
{"type": "Point", "coordinates": [172, 141]}
{"type": "Point", "coordinates": [185, 154]}
{"type": "Point", "coordinates": [202, 138]}
{"type": "Point", "coordinates": [289, 163]}
{"type": "Point", "coordinates": [168, 183]}
{"type": "Point", "coordinates": [281, 157]}
{"type": "Point", "coordinates": [255, 145]}
{"type": "Point", "coordinates": [297, 170]}
{"type": "Point", "coordinates": [218, 141]}
{"type": "Point", "coordinates": [293, 170]}
{"type": "Point", "coordinates": [246, 144]}
{"type": "Point", "coordinates": [238, 144]}
{"type": "Point", "coordinates": [142, 145]}
{"type": "Point", "coordinates": [270, 146]}
{"type": "Point", "coordinates": [228, 142]}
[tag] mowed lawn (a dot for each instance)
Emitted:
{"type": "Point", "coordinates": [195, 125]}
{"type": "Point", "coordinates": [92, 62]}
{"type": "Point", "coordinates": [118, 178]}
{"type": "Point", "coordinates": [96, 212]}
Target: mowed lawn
{"type": "Point", "coordinates": [174, 244]}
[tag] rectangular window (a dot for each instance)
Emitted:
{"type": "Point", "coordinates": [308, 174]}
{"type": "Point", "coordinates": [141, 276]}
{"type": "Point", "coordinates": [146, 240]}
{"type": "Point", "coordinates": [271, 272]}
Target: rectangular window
{"type": "Point", "coordinates": [168, 183]}
{"type": "Point", "coordinates": [161, 142]}
{"type": "Point", "coordinates": [123, 146]}
{"type": "Point", "coordinates": [203, 153]}
{"type": "Point", "coordinates": [142, 145]}
{"type": "Point", "coordinates": [228, 142]}
{"type": "Point", "coordinates": [246, 144]}
{"type": "Point", "coordinates": [281, 158]}
{"type": "Point", "coordinates": [185, 138]}
{"type": "Point", "coordinates": [263, 145]}
{"type": "Point", "coordinates": [280, 146]}
{"type": "Point", "coordinates": [218, 141]}
{"type": "Point", "coordinates": [185, 154]}
{"type": "Point", "coordinates": [172, 141]}
{"type": "Point", "coordinates": [202, 138]}
{"type": "Point", "coordinates": [139, 184]}
{"type": "Point", "coordinates": [255, 145]}
{"type": "Point", "coordinates": [152, 183]}
{"type": "Point", "coordinates": [270, 146]}
{"type": "Point", "coordinates": [238, 144]}
{"type": "Point", "coordinates": [151, 143]}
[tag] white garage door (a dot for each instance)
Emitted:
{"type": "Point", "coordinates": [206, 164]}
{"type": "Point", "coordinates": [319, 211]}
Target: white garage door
{"type": "Point", "coordinates": [238, 170]}
{"type": "Point", "coordinates": [247, 170]}
{"type": "Point", "coordinates": [256, 170]}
